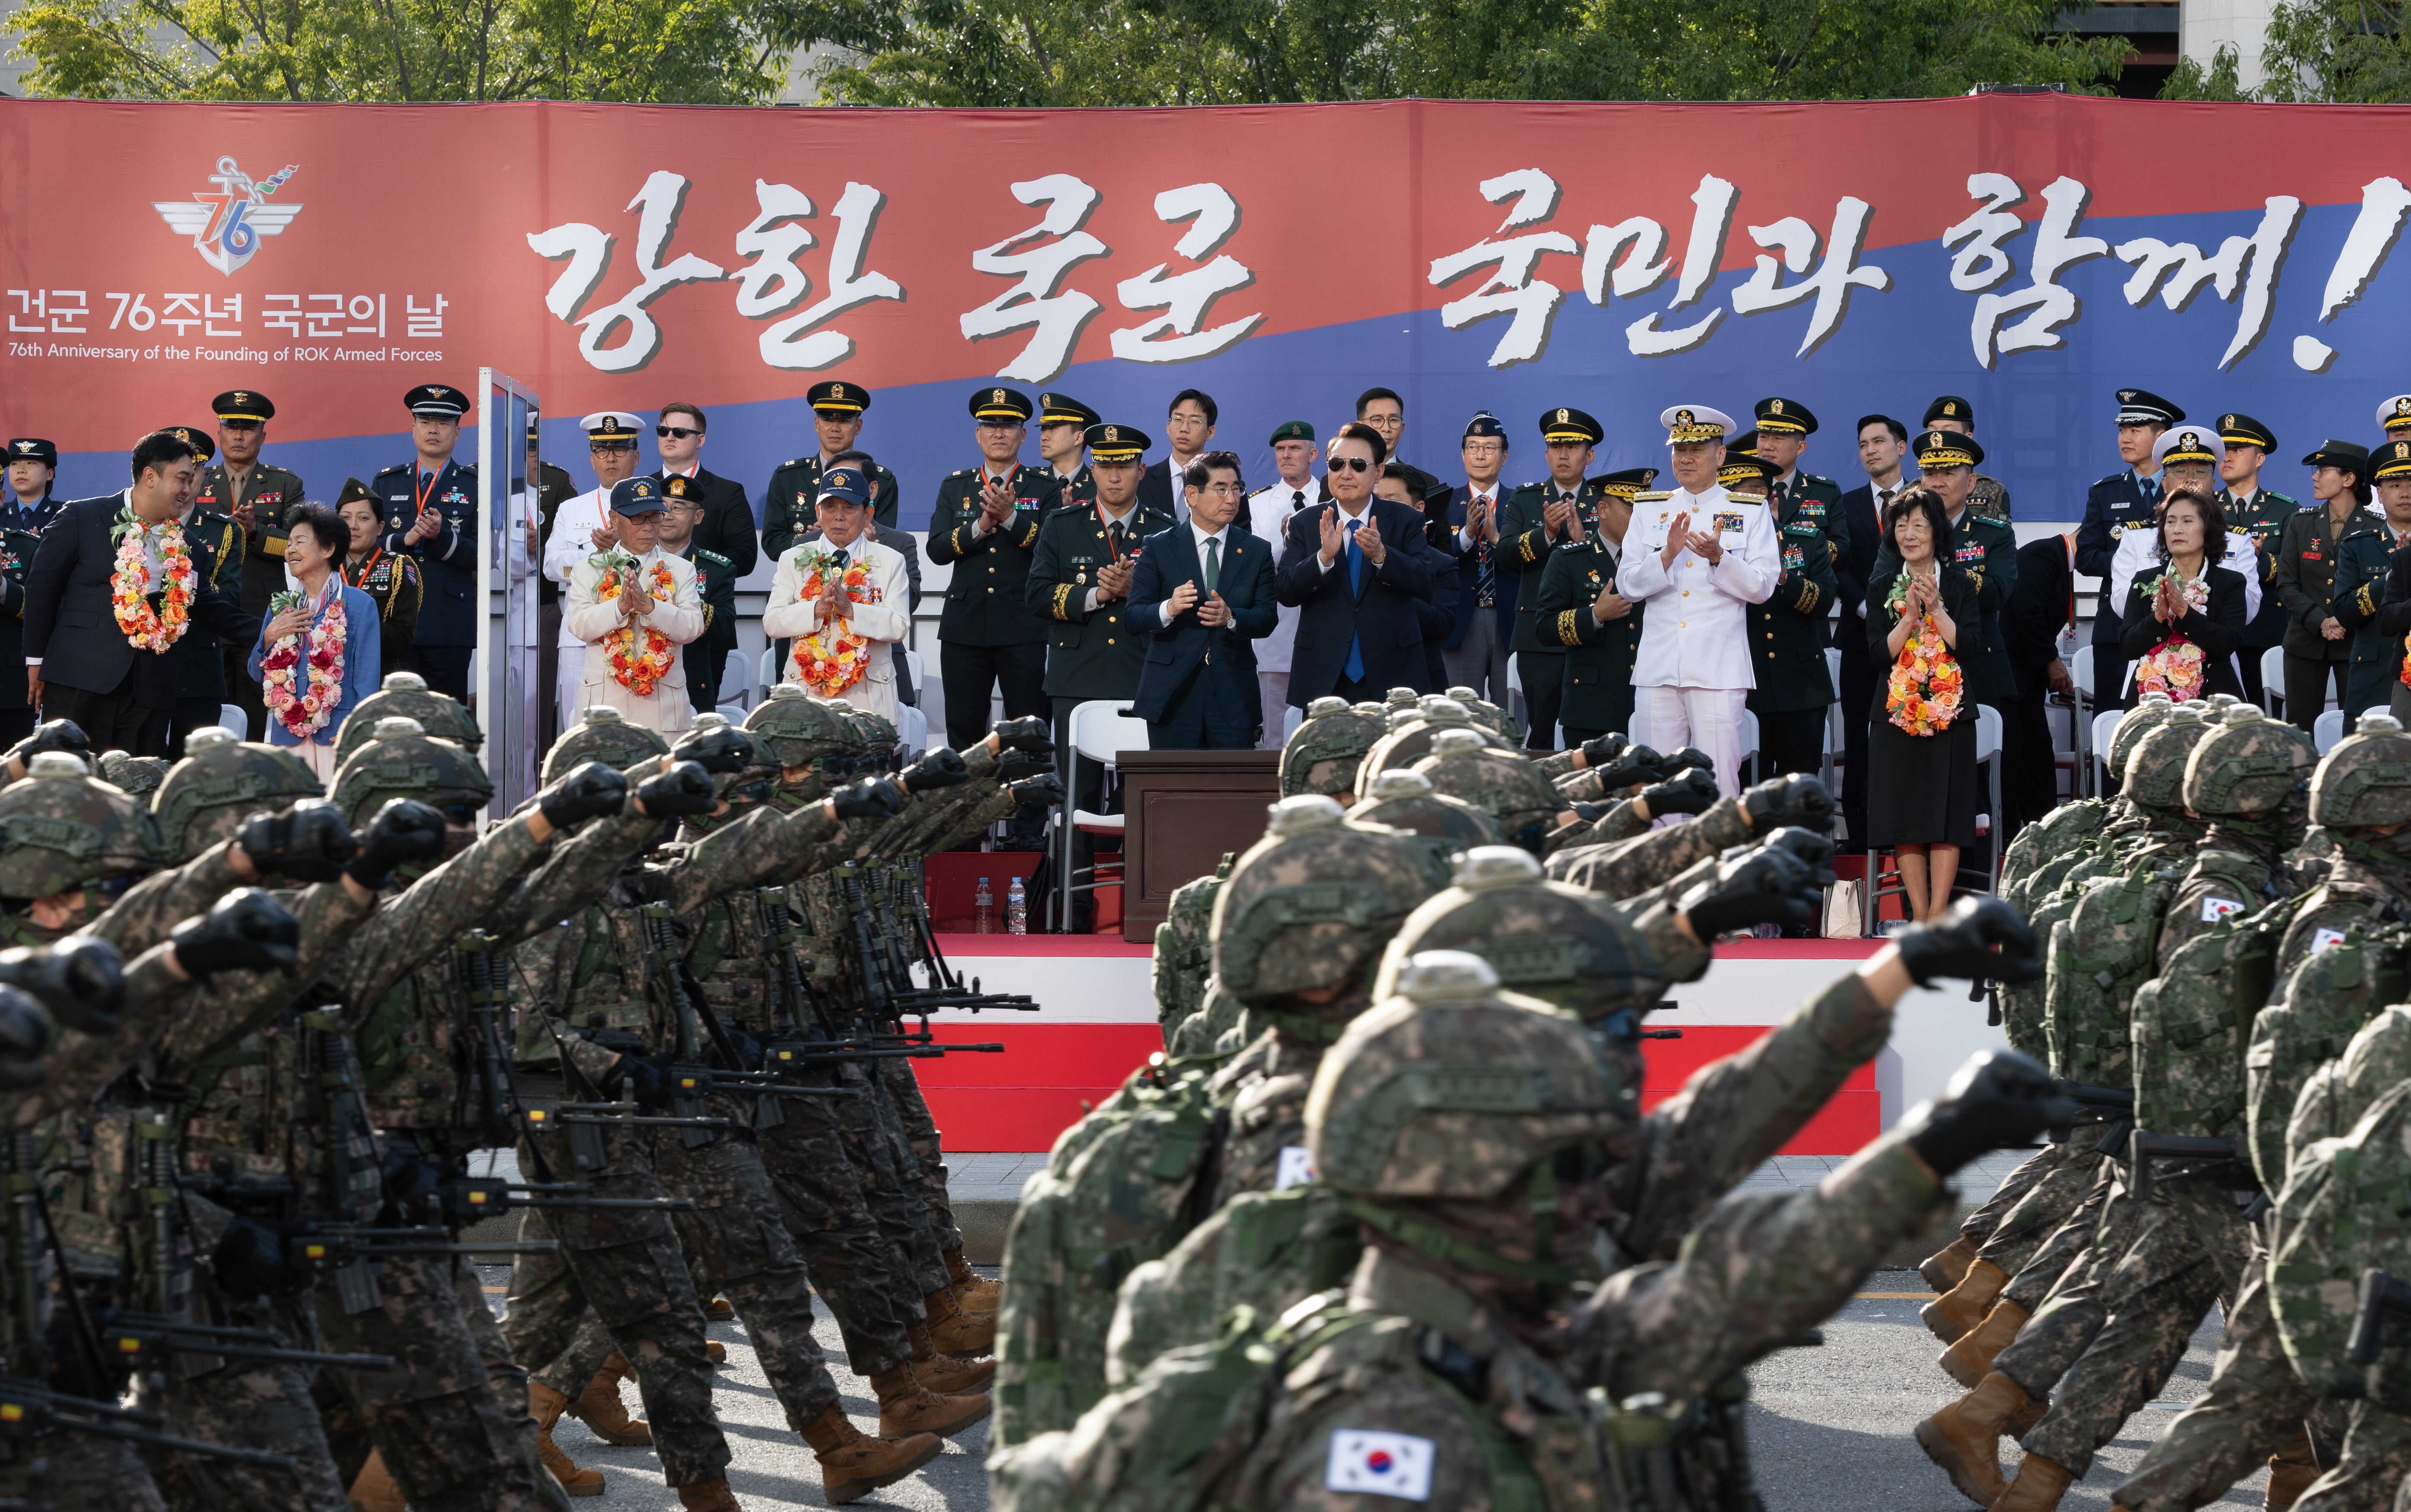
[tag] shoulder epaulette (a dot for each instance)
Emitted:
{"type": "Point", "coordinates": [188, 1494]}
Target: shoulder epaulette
{"type": "Point", "coordinates": [705, 554]}
{"type": "Point", "coordinates": [399, 467]}
{"type": "Point", "coordinates": [217, 518]}
{"type": "Point", "coordinates": [1819, 477]}
{"type": "Point", "coordinates": [962, 472]}
{"type": "Point", "coordinates": [1653, 496]}
{"type": "Point", "coordinates": [792, 461]}
{"type": "Point", "coordinates": [2282, 498]}
{"type": "Point", "coordinates": [1745, 498]}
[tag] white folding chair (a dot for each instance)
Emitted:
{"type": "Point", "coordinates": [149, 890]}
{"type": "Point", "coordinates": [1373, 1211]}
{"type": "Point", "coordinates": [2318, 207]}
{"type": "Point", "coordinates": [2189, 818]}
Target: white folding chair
{"type": "Point", "coordinates": [2272, 678]}
{"type": "Point", "coordinates": [1291, 717]}
{"type": "Point", "coordinates": [913, 670]}
{"type": "Point", "coordinates": [2080, 725]}
{"type": "Point", "coordinates": [1835, 741]}
{"type": "Point", "coordinates": [233, 717]}
{"type": "Point", "coordinates": [769, 677]}
{"type": "Point", "coordinates": [1636, 729]}
{"type": "Point", "coordinates": [1749, 744]}
{"type": "Point", "coordinates": [1988, 756]}
{"type": "Point", "coordinates": [1099, 729]}
{"type": "Point", "coordinates": [1516, 704]}
{"type": "Point", "coordinates": [732, 713]}
{"type": "Point", "coordinates": [2105, 727]}
{"type": "Point", "coordinates": [734, 686]}
{"type": "Point", "coordinates": [911, 731]}
{"type": "Point", "coordinates": [2328, 730]}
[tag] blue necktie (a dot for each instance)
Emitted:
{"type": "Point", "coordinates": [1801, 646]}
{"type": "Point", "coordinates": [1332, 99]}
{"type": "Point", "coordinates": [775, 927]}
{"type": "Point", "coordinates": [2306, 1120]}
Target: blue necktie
{"type": "Point", "coordinates": [1356, 667]}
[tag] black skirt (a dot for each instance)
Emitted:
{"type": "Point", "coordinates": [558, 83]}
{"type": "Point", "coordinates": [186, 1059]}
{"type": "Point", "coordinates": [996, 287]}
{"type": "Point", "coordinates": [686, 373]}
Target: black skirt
{"type": "Point", "coordinates": [1921, 789]}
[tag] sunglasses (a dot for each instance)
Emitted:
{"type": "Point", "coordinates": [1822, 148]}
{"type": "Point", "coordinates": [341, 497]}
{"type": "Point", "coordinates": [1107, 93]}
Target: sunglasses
{"type": "Point", "coordinates": [681, 432]}
{"type": "Point", "coordinates": [1351, 464]}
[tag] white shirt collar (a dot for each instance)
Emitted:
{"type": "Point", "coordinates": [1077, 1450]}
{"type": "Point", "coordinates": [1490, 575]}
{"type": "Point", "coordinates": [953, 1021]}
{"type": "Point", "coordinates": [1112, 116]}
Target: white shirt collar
{"type": "Point", "coordinates": [1203, 534]}
{"type": "Point", "coordinates": [1899, 481]}
{"type": "Point", "coordinates": [1366, 509]}
{"type": "Point", "coordinates": [687, 472]}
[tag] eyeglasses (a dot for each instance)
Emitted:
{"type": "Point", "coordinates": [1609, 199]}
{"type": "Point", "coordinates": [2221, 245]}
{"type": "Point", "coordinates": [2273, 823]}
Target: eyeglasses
{"type": "Point", "coordinates": [681, 432]}
{"type": "Point", "coordinates": [1352, 464]}
{"type": "Point", "coordinates": [1230, 491]}
{"type": "Point", "coordinates": [610, 446]}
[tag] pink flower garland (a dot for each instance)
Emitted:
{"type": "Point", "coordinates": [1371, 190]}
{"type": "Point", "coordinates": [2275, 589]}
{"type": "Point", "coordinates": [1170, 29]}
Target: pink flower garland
{"type": "Point", "coordinates": [306, 713]}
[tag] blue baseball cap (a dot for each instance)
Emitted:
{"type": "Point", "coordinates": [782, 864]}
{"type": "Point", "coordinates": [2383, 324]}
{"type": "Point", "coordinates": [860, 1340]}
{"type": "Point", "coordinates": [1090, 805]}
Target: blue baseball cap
{"type": "Point", "coordinates": [843, 483]}
{"type": "Point", "coordinates": [636, 496]}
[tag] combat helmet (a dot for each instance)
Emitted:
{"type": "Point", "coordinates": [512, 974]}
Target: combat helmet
{"type": "Point", "coordinates": [137, 777]}
{"type": "Point", "coordinates": [62, 828]}
{"type": "Point", "coordinates": [403, 760]}
{"type": "Point", "coordinates": [2249, 765]}
{"type": "Point", "coordinates": [1484, 711]}
{"type": "Point", "coordinates": [1322, 753]}
{"type": "Point", "coordinates": [2365, 780]}
{"type": "Point", "coordinates": [1399, 698]}
{"type": "Point", "coordinates": [1566, 945]}
{"type": "Point", "coordinates": [1407, 737]}
{"type": "Point", "coordinates": [1504, 784]}
{"type": "Point", "coordinates": [2155, 766]}
{"type": "Point", "coordinates": [1309, 906]}
{"type": "Point", "coordinates": [605, 735]}
{"type": "Point", "coordinates": [222, 782]}
{"type": "Point", "coordinates": [406, 695]}
{"type": "Point", "coordinates": [2132, 727]}
{"type": "Point", "coordinates": [797, 729]}
{"type": "Point", "coordinates": [1456, 1091]}
{"type": "Point", "coordinates": [1404, 800]}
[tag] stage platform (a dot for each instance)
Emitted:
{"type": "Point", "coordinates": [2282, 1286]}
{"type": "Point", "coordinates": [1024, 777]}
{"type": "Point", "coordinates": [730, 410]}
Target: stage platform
{"type": "Point", "coordinates": [1096, 1023]}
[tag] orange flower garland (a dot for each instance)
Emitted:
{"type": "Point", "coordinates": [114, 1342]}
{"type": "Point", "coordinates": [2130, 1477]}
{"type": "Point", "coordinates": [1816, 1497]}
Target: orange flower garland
{"type": "Point", "coordinates": [637, 671]}
{"type": "Point", "coordinates": [149, 629]}
{"type": "Point", "coordinates": [833, 658]}
{"type": "Point", "coordinates": [2176, 666]}
{"type": "Point", "coordinates": [1924, 695]}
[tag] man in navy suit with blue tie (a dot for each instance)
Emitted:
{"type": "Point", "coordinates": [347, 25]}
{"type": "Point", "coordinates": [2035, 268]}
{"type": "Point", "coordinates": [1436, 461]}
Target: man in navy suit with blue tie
{"type": "Point", "coordinates": [1207, 587]}
{"type": "Point", "coordinates": [1358, 568]}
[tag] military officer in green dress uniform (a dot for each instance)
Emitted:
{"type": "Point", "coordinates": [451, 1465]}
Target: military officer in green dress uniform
{"type": "Point", "coordinates": [1537, 517]}
{"type": "Point", "coordinates": [1985, 549]}
{"type": "Point", "coordinates": [715, 575]}
{"type": "Point", "coordinates": [1952, 412]}
{"type": "Point", "coordinates": [2260, 514]}
{"type": "Point", "coordinates": [1064, 425]}
{"type": "Point", "coordinates": [1784, 427]}
{"type": "Point", "coordinates": [985, 525]}
{"type": "Point", "coordinates": [256, 494]}
{"type": "Point", "coordinates": [200, 654]}
{"type": "Point", "coordinates": [789, 498]}
{"type": "Point", "coordinates": [1577, 611]}
{"type": "Point", "coordinates": [1079, 582]}
{"type": "Point", "coordinates": [389, 578]}
{"type": "Point", "coordinates": [2362, 564]}
{"type": "Point", "coordinates": [1787, 633]}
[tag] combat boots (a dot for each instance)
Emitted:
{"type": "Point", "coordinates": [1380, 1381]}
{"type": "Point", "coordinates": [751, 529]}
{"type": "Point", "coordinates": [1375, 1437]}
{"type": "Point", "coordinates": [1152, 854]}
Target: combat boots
{"type": "Point", "coordinates": [944, 1376]}
{"type": "Point", "coordinates": [954, 1331]}
{"type": "Point", "coordinates": [906, 1406]}
{"type": "Point", "coordinates": [2041, 1483]}
{"type": "Point", "coordinates": [1970, 1360]}
{"type": "Point", "coordinates": [711, 1495]}
{"type": "Point", "coordinates": [374, 1489]}
{"type": "Point", "coordinates": [2292, 1470]}
{"type": "Point", "coordinates": [545, 1405]}
{"type": "Point", "coordinates": [1945, 1270]}
{"type": "Point", "coordinates": [1964, 1438]}
{"type": "Point", "coordinates": [976, 1292]}
{"type": "Point", "coordinates": [599, 1406]}
{"type": "Point", "coordinates": [718, 1310]}
{"type": "Point", "coordinates": [1965, 1306]}
{"type": "Point", "coordinates": [715, 1351]}
{"type": "Point", "coordinates": [853, 1465]}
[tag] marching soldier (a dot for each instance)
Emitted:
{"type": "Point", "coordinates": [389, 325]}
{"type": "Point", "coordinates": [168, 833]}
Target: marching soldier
{"type": "Point", "coordinates": [431, 511]}
{"type": "Point", "coordinates": [1064, 424]}
{"type": "Point", "coordinates": [1577, 610]}
{"type": "Point", "coordinates": [256, 494]}
{"type": "Point", "coordinates": [2125, 500]}
{"type": "Point", "coordinates": [33, 463]}
{"type": "Point", "coordinates": [1784, 427]}
{"type": "Point", "coordinates": [1952, 412]}
{"type": "Point", "coordinates": [1787, 632]}
{"type": "Point", "coordinates": [1539, 517]}
{"type": "Point", "coordinates": [794, 491]}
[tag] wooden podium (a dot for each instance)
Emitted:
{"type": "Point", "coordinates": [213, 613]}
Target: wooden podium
{"type": "Point", "coordinates": [1182, 810]}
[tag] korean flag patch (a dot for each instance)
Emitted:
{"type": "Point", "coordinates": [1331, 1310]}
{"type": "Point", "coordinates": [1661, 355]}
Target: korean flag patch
{"type": "Point", "coordinates": [1296, 1168]}
{"type": "Point", "coordinates": [1380, 1464]}
{"type": "Point", "coordinates": [2323, 938]}
{"type": "Point", "coordinates": [2215, 909]}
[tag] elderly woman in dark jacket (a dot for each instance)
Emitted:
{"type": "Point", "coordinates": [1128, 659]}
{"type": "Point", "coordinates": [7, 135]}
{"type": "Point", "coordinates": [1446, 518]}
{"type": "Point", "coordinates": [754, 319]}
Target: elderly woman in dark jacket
{"type": "Point", "coordinates": [2183, 624]}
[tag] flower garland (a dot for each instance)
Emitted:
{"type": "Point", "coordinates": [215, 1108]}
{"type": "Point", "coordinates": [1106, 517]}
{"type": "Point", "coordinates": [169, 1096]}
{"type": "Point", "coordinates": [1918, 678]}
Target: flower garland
{"type": "Point", "coordinates": [637, 671]}
{"type": "Point", "coordinates": [833, 658]}
{"type": "Point", "coordinates": [1924, 693]}
{"type": "Point", "coordinates": [2176, 666]}
{"type": "Point", "coordinates": [305, 713]}
{"type": "Point", "coordinates": [150, 629]}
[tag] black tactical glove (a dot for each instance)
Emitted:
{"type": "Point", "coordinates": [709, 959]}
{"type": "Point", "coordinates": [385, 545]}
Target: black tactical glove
{"type": "Point", "coordinates": [719, 751]}
{"type": "Point", "coordinates": [1016, 764]}
{"type": "Point", "coordinates": [1027, 733]}
{"type": "Point", "coordinates": [405, 832]}
{"type": "Point", "coordinates": [874, 797]}
{"type": "Point", "coordinates": [645, 1081]}
{"type": "Point", "coordinates": [1601, 750]}
{"type": "Point", "coordinates": [1632, 764]}
{"type": "Point", "coordinates": [1760, 886]}
{"type": "Point", "coordinates": [593, 790]}
{"type": "Point", "coordinates": [53, 734]}
{"type": "Point", "coordinates": [1961, 944]}
{"type": "Point", "coordinates": [250, 1261]}
{"type": "Point", "coordinates": [1998, 1100]}
{"type": "Point", "coordinates": [941, 768]}
{"type": "Point", "coordinates": [1590, 813]}
{"type": "Point", "coordinates": [1690, 758]}
{"type": "Point", "coordinates": [1045, 788]}
{"type": "Point", "coordinates": [1808, 848]}
{"type": "Point", "coordinates": [685, 788]}
{"type": "Point", "coordinates": [80, 980]}
{"type": "Point", "coordinates": [24, 1034]}
{"type": "Point", "coordinates": [1794, 799]}
{"type": "Point", "coordinates": [307, 843]}
{"type": "Point", "coordinates": [248, 931]}
{"type": "Point", "coordinates": [1689, 793]}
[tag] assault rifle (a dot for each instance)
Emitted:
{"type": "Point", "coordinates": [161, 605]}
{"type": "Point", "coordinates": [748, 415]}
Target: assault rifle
{"type": "Point", "coordinates": [691, 1079]}
{"type": "Point", "coordinates": [354, 1188]}
{"type": "Point", "coordinates": [2144, 1147]}
{"type": "Point", "coordinates": [2112, 1106]}
{"type": "Point", "coordinates": [322, 1247]}
{"type": "Point", "coordinates": [2384, 1303]}
{"type": "Point", "coordinates": [27, 1410]}
{"type": "Point", "coordinates": [946, 988]}
{"type": "Point", "coordinates": [487, 992]}
{"type": "Point", "coordinates": [146, 1341]}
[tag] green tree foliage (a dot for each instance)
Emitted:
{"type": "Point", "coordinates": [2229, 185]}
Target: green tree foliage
{"type": "Point", "coordinates": [2337, 51]}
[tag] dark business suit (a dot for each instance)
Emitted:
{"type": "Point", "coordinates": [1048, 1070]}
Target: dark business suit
{"type": "Point", "coordinates": [1372, 608]}
{"type": "Point", "coordinates": [1484, 666]}
{"type": "Point", "coordinates": [2039, 607]}
{"type": "Point", "coordinates": [727, 524]}
{"type": "Point", "coordinates": [1197, 688]}
{"type": "Point", "coordinates": [124, 697]}
{"type": "Point", "coordinates": [2216, 628]}
{"type": "Point", "coordinates": [216, 543]}
{"type": "Point", "coordinates": [2116, 504]}
{"type": "Point", "coordinates": [1861, 514]}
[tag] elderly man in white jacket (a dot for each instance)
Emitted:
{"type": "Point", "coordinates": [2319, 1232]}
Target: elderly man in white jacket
{"type": "Point", "coordinates": [843, 630]}
{"type": "Point", "coordinates": [635, 617]}
{"type": "Point", "coordinates": [1698, 557]}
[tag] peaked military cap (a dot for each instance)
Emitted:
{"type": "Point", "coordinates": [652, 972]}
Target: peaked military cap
{"type": "Point", "coordinates": [1117, 443]}
{"type": "Point", "coordinates": [1786, 416]}
{"type": "Point", "coordinates": [609, 430]}
{"type": "Point", "coordinates": [2395, 414]}
{"type": "Point", "coordinates": [1564, 425]}
{"type": "Point", "coordinates": [838, 399]}
{"type": "Point", "coordinates": [1948, 407]}
{"type": "Point", "coordinates": [1000, 406]}
{"type": "Point", "coordinates": [2393, 459]}
{"type": "Point", "coordinates": [436, 401]}
{"type": "Point", "coordinates": [1946, 448]}
{"type": "Point", "coordinates": [1062, 409]}
{"type": "Point", "coordinates": [2243, 431]}
{"type": "Point", "coordinates": [1694, 422]}
{"type": "Point", "coordinates": [2140, 406]}
{"type": "Point", "coordinates": [242, 406]}
{"type": "Point", "coordinates": [34, 449]}
{"type": "Point", "coordinates": [2189, 443]}
{"type": "Point", "coordinates": [196, 437]}
{"type": "Point", "coordinates": [2350, 456]}
{"type": "Point", "coordinates": [1625, 483]}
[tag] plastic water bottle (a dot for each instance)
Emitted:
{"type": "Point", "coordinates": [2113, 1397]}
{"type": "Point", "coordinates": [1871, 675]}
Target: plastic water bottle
{"type": "Point", "coordinates": [982, 910]}
{"type": "Point", "coordinates": [1017, 909]}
